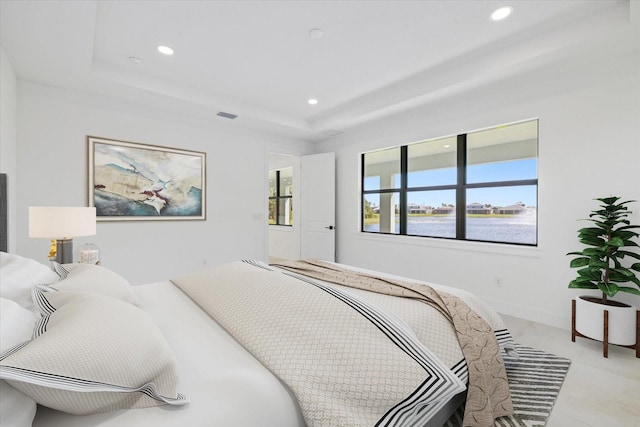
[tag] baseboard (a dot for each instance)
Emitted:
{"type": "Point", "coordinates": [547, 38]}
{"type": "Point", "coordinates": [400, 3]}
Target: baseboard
{"type": "Point", "coordinates": [527, 313]}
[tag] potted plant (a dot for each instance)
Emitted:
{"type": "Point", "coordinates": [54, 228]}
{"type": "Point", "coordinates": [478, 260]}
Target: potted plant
{"type": "Point", "coordinates": [601, 265]}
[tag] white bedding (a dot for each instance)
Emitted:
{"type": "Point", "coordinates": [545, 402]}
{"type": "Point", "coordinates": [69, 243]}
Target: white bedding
{"type": "Point", "coordinates": [226, 385]}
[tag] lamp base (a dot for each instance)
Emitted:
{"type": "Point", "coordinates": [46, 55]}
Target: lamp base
{"type": "Point", "coordinates": [64, 251]}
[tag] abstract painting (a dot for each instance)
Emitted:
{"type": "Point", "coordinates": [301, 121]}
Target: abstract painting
{"type": "Point", "coordinates": [132, 182]}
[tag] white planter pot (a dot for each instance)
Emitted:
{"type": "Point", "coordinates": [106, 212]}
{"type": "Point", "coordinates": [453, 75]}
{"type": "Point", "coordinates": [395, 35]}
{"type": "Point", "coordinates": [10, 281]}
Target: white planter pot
{"type": "Point", "coordinates": [622, 321]}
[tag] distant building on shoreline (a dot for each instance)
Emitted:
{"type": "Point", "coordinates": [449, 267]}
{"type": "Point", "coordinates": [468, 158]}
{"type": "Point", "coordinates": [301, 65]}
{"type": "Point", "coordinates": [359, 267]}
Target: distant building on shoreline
{"type": "Point", "coordinates": [472, 209]}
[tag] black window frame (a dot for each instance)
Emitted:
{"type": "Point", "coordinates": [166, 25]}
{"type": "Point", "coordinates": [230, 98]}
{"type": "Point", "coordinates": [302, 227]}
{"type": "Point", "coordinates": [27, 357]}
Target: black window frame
{"type": "Point", "coordinates": [277, 199]}
{"type": "Point", "coordinates": [460, 188]}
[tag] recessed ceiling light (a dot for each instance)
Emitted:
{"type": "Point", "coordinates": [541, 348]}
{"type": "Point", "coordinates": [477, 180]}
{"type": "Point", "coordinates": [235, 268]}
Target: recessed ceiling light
{"type": "Point", "coordinates": [316, 33]}
{"type": "Point", "coordinates": [447, 146]}
{"type": "Point", "coordinates": [501, 13]}
{"type": "Point", "coordinates": [312, 101]}
{"type": "Point", "coordinates": [165, 50]}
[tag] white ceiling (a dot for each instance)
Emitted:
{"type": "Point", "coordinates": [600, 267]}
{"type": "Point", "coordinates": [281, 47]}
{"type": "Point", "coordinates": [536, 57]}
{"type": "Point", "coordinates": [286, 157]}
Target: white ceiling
{"type": "Point", "coordinates": [257, 60]}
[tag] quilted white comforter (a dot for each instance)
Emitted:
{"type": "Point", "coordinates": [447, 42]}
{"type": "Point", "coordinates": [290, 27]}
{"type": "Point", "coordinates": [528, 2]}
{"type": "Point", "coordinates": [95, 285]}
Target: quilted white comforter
{"type": "Point", "coordinates": [349, 360]}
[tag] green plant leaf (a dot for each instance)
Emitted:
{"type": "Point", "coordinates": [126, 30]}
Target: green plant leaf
{"type": "Point", "coordinates": [616, 241]}
{"type": "Point", "coordinates": [601, 224]}
{"type": "Point", "coordinates": [579, 262]}
{"type": "Point", "coordinates": [624, 234]}
{"type": "Point", "coordinates": [574, 253]}
{"type": "Point", "coordinates": [591, 231]}
{"type": "Point", "coordinates": [624, 271]}
{"type": "Point", "coordinates": [594, 252]}
{"type": "Point", "coordinates": [619, 278]}
{"type": "Point", "coordinates": [581, 284]}
{"type": "Point", "coordinates": [590, 273]}
{"type": "Point", "coordinates": [610, 290]}
{"type": "Point", "coordinates": [597, 264]}
{"type": "Point", "coordinates": [629, 290]}
{"type": "Point", "coordinates": [608, 200]}
{"type": "Point", "coordinates": [624, 279]}
{"type": "Point", "coordinates": [622, 254]}
{"type": "Point", "coordinates": [592, 241]}
{"type": "Point", "coordinates": [635, 266]}
{"type": "Point", "coordinates": [598, 224]}
{"type": "Point", "coordinates": [628, 227]}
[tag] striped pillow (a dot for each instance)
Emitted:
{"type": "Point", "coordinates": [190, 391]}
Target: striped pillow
{"type": "Point", "coordinates": [16, 325]}
{"type": "Point", "coordinates": [59, 269]}
{"type": "Point", "coordinates": [18, 275]}
{"type": "Point", "coordinates": [89, 278]}
{"type": "Point", "coordinates": [92, 353]}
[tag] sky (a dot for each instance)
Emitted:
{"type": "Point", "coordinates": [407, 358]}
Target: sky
{"type": "Point", "coordinates": [486, 172]}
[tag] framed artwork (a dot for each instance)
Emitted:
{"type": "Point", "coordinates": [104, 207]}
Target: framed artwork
{"type": "Point", "coordinates": [138, 182]}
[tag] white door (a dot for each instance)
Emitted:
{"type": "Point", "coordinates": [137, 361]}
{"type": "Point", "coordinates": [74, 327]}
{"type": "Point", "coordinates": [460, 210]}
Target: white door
{"type": "Point", "coordinates": [317, 200]}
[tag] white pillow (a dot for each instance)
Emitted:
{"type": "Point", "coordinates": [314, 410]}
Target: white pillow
{"type": "Point", "coordinates": [91, 354]}
{"type": "Point", "coordinates": [89, 278]}
{"type": "Point", "coordinates": [18, 275]}
{"type": "Point", "coordinates": [16, 326]}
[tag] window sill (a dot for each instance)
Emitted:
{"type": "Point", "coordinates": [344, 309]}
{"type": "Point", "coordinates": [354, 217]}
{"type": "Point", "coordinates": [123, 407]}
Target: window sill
{"type": "Point", "coordinates": [457, 245]}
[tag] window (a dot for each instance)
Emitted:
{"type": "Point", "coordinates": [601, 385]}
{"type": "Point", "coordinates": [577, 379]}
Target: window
{"type": "Point", "coordinates": [280, 197]}
{"type": "Point", "coordinates": [474, 186]}
{"type": "Point", "coordinates": [381, 183]}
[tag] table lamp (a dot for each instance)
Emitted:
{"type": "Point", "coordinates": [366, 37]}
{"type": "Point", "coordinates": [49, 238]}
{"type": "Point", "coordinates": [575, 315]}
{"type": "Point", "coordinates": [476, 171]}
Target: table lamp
{"type": "Point", "coordinates": [62, 224]}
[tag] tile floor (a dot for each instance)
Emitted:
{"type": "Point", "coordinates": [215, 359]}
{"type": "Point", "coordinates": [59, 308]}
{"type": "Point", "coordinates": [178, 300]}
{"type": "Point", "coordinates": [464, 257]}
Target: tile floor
{"type": "Point", "coordinates": [597, 392]}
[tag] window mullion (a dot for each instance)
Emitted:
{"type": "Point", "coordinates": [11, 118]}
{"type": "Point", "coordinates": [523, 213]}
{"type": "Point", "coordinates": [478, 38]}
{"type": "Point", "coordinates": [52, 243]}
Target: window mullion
{"type": "Point", "coordinates": [502, 183]}
{"type": "Point", "coordinates": [403, 205]}
{"type": "Point", "coordinates": [277, 197]}
{"type": "Point", "coordinates": [461, 196]}
{"type": "Point", "coordinates": [362, 198]}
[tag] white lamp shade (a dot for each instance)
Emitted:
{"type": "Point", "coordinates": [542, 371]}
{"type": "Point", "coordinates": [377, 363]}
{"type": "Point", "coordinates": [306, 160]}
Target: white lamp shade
{"type": "Point", "coordinates": [60, 222]}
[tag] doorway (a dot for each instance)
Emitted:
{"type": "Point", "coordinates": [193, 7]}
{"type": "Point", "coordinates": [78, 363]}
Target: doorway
{"type": "Point", "coordinates": [306, 227]}
{"type": "Point", "coordinates": [284, 207]}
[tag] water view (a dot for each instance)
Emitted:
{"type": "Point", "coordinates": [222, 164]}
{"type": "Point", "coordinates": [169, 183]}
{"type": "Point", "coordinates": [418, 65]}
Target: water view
{"type": "Point", "coordinates": [509, 229]}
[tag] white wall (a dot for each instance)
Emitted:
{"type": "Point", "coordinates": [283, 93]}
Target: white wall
{"type": "Point", "coordinates": [8, 142]}
{"type": "Point", "coordinates": [284, 242]}
{"type": "Point", "coordinates": [52, 170]}
{"type": "Point", "coordinates": [589, 111]}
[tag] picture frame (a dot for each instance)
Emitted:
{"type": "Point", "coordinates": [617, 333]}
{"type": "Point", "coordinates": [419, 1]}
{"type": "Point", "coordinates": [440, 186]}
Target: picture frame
{"type": "Point", "coordinates": [130, 181]}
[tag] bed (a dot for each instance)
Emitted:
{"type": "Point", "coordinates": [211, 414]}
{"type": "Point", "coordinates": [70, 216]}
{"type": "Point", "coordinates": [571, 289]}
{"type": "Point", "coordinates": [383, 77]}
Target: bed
{"type": "Point", "coordinates": [223, 358]}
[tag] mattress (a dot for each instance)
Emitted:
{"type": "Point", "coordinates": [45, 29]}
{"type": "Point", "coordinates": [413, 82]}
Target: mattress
{"type": "Point", "coordinates": [225, 384]}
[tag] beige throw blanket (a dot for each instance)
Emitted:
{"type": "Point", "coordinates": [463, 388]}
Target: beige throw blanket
{"type": "Point", "coordinates": [488, 390]}
{"type": "Point", "coordinates": [348, 363]}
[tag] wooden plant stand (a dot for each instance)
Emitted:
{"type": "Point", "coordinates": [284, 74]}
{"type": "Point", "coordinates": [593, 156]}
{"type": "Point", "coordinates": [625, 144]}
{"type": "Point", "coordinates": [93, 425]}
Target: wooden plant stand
{"type": "Point", "coordinates": [605, 341]}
